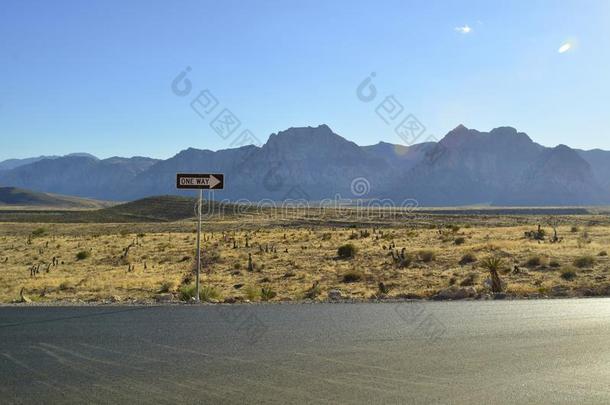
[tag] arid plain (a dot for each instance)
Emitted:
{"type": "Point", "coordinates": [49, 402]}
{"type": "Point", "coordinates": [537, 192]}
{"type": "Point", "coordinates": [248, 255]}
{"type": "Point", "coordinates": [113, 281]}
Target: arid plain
{"type": "Point", "coordinates": [310, 254]}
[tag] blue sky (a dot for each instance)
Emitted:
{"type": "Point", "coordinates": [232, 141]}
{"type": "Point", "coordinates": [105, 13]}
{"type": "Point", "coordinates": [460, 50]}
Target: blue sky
{"type": "Point", "coordinates": [96, 76]}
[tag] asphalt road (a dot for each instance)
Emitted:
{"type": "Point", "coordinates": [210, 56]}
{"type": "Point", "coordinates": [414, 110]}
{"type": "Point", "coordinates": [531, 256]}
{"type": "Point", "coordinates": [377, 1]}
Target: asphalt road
{"type": "Point", "coordinates": [492, 352]}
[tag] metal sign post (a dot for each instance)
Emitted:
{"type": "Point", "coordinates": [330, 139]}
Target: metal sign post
{"type": "Point", "coordinates": [199, 242]}
{"type": "Point", "coordinates": [199, 182]}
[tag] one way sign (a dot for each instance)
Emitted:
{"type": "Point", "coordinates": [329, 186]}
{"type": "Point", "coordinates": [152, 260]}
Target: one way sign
{"type": "Point", "coordinates": [212, 181]}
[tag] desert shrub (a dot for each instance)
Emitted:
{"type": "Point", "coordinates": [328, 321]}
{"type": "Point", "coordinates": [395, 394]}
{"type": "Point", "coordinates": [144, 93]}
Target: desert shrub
{"type": "Point", "coordinates": [206, 292]}
{"type": "Point", "coordinates": [459, 241]}
{"type": "Point", "coordinates": [187, 292]}
{"type": "Point", "coordinates": [603, 253]}
{"type": "Point", "coordinates": [66, 285]}
{"type": "Point", "coordinates": [347, 251]}
{"type": "Point", "coordinates": [584, 261]}
{"type": "Point", "coordinates": [404, 261]}
{"type": "Point", "coordinates": [82, 255]}
{"type": "Point", "coordinates": [554, 264]}
{"type": "Point", "coordinates": [313, 292]}
{"type": "Point", "coordinates": [382, 289]}
{"type": "Point", "coordinates": [454, 228]}
{"type": "Point", "coordinates": [535, 261]}
{"type": "Point", "coordinates": [468, 258]}
{"type": "Point", "coordinates": [568, 274]}
{"type": "Point", "coordinates": [327, 236]}
{"type": "Point", "coordinates": [39, 232]}
{"type": "Point", "coordinates": [352, 277]}
{"type": "Point", "coordinates": [167, 286]}
{"type": "Point", "coordinates": [267, 294]}
{"type": "Point", "coordinates": [209, 257]}
{"type": "Point", "coordinates": [538, 234]}
{"type": "Point", "coordinates": [575, 229]}
{"type": "Point", "coordinates": [209, 293]}
{"type": "Point", "coordinates": [426, 256]}
{"type": "Point", "coordinates": [187, 279]}
{"type": "Point", "coordinates": [251, 293]}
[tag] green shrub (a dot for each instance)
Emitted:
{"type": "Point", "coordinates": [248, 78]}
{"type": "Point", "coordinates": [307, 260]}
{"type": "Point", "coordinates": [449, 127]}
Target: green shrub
{"type": "Point", "coordinates": [568, 274]}
{"type": "Point", "coordinates": [251, 293]}
{"type": "Point", "coordinates": [459, 241]}
{"type": "Point", "coordinates": [534, 261]}
{"type": "Point", "coordinates": [352, 277]}
{"type": "Point", "coordinates": [267, 294]}
{"type": "Point", "coordinates": [584, 262]}
{"type": "Point", "coordinates": [187, 292]}
{"type": "Point", "coordinates": [206, 293]}
{"type": "Point", "coordinates": [167, 286]}
{"type": "Point", "coordinates": [603, 253]}
{"type": "Point", "coordinates": [82, 255]}
{"type": "Point", "coordinates": [39, 232]}
{"type": "Point", "coordinates": [347, 251]}
{"type": "Point", "coordinates": [209, 293]}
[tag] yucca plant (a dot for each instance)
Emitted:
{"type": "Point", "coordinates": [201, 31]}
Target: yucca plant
{"type": "Point", "coordinates": [267, 294]}
{"type": "Point", "coordinates": [493, 265]}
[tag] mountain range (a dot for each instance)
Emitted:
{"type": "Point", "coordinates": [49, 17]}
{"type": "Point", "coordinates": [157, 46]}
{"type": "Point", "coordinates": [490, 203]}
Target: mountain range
{"type": "Point", "coordinates": [502, 167]}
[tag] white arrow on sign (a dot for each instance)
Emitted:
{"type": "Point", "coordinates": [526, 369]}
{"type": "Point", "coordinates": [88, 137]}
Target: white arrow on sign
{"type": "Point", "coordinates": [214, 181]}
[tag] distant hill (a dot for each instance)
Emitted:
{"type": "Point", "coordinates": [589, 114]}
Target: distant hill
{"type": "Point", "coordinates": [503, 167]}
{"type": "Point", "coordinates": [16, 197]}
{"type": "Point", "coordinates": [11, 164]}
{"type": "Point", "coordinates": [162, 208]}
{"type": "Point", "coordinates": [151, 209]}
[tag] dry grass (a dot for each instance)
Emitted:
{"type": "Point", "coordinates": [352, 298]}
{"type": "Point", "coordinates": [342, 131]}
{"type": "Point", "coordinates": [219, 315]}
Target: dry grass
{"type": "Point", "coordinates": [292, 260]}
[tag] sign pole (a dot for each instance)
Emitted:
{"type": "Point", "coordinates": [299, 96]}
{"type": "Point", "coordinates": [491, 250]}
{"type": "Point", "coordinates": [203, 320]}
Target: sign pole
{"type": "Point", "coordinates": [200, 181]}
{"type": "Point", "coordinates": [199, 242]}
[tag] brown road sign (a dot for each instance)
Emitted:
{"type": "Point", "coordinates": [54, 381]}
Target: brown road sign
{"type": "Point", "coordinates": [199, 181]}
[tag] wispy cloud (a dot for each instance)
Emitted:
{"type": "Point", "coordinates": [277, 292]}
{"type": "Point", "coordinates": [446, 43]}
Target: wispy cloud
{"type": "Point", "coordinates": [565, 47]}
{"type": "Point", "coordinates": [464, 30]}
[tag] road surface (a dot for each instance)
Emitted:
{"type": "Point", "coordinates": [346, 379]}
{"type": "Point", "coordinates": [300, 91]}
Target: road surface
{"type": "Point", "coordinates": [550, 351]}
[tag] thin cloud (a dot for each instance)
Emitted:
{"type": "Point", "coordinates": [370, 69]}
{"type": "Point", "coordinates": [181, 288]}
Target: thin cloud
{"type": "Point", "coordinates": [464, 30]}
{"type": "Point", "coordinates": [565, 47]}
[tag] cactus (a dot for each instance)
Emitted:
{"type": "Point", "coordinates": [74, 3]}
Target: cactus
{"type": "Point", "coordinates": [250, 264]}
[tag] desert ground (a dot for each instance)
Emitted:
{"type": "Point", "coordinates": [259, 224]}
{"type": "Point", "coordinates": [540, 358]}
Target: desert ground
{"type": "Point", "coordinates": [307, 255]}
